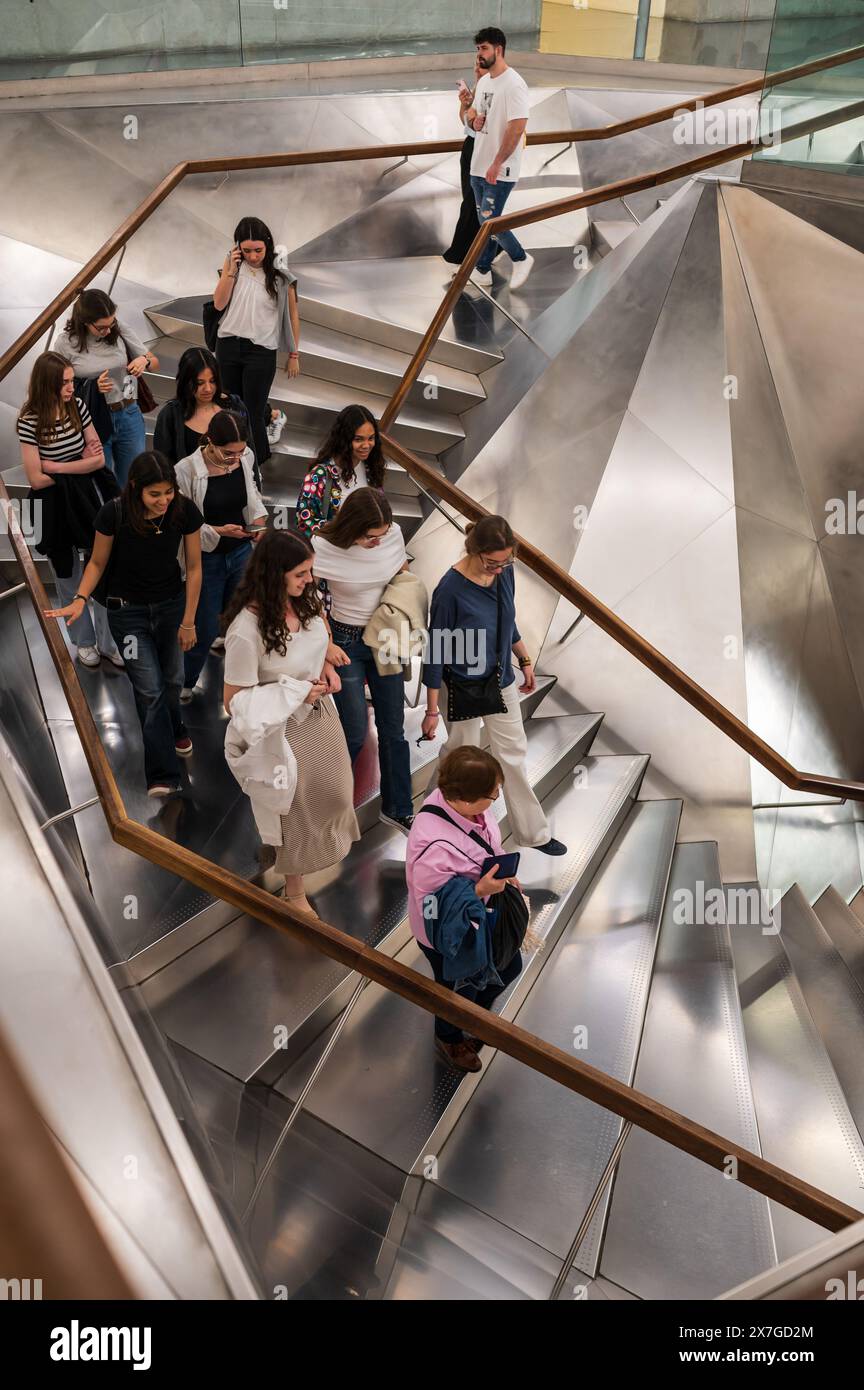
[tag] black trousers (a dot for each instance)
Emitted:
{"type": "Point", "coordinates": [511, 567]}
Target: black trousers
{"type": "Point", "coordinates": [468, 226]}
{"type": "Point", "coordinates": [248, 370]}
{"type": "Point", "coordinates": [448, 1032]}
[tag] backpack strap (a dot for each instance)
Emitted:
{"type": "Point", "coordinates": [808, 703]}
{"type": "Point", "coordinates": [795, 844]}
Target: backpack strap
{"type": "Point", "coordinates": [478, 839]}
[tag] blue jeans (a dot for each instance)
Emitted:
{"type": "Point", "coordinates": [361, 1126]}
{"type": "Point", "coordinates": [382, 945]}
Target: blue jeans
{"type": "Point", "coordinates": [146, 634]}
{"type": "Point", "coordinates": [490, 199]}
{"type": "Point", "coordinates": [221, 572]}
{"type": "Point", "coordinates": [388, 704]}
{"type": "Point", "coordinates": [91, 629]}
{"type": "Point", "coordinates": [448, 1032]}
{"type": "Point", "coordinates": [128, 440]}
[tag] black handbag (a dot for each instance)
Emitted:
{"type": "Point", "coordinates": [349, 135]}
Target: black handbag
{"type": "Point", "coordinates": [511, 909]}
{"type": "Point", "coordinates": [471, 699]}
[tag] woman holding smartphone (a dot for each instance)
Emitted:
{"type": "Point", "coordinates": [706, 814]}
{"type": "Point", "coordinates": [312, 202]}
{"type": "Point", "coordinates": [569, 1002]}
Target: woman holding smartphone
{"type": "Point", "coordinates": [65, 466]}
{"type": "Point", "coordinates": [274, 627]}
{"type": "Point", "coordinates": [102, 348]}
{"type": "Point", "coordinates": [220, 479]}
{"type": "Point", "coordinates": [150, 613]}
{"type": "Point", "coordinates": [182, 423]}
{"type": "Point", "coordinates": [260, 318]}
{"type": "Point", "coordinates": [441, 847]}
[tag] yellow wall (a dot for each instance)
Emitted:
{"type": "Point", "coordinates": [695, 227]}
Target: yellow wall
{"type": "Point", "coordinates": [599, 30]}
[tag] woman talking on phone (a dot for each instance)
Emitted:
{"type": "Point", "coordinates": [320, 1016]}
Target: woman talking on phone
{"type": "Point", "coordinates": [150, 614]}
{"type": "Point", "coordinates": [220, 479]}
{"type": "Point", "coordinates": [102, 348]}
{"type": "Point", "coordinates": [260, 318]}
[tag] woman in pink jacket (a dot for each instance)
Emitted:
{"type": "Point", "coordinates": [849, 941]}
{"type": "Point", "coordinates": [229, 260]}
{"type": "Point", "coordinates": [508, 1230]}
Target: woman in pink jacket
{"type": "Point", "coordinates": [469, 781]}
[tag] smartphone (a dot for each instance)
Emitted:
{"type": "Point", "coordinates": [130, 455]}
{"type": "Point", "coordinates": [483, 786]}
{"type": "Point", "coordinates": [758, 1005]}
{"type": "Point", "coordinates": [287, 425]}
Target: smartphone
{"type": "Point", "coordinates": [508, 865]}
{"type": "Point", "coordinates": [254, 527]}
{"type": "Point", "coordinates": [463, 85]}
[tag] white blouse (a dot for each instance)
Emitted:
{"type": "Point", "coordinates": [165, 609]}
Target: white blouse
{"type": "Point", "coordinates": [251, 313]}
{"type": "Point", "coordinates": [247, 663]}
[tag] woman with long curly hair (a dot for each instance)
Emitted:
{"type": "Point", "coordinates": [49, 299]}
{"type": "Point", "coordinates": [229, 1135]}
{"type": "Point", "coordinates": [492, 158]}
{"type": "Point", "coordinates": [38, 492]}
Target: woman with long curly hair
{"type": "Point", "coordinates": [274, 627]}
{"type": "Point", "coordinates": [260, 318]}
{"type": "Point", "coordinates": [350, 457]}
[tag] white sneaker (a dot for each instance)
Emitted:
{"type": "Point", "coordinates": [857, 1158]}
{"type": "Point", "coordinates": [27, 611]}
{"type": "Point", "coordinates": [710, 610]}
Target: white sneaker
{"type": "Point", "coordinates": [521, 271]}
{"type": "Point", "coordinates": [278, 421]}
{"type": "Point", "coordinates": [186, 694]}
{"type": "Point", "coordinates": [481, 277]}
{"type": "Point", "coordinates": [89, 656]}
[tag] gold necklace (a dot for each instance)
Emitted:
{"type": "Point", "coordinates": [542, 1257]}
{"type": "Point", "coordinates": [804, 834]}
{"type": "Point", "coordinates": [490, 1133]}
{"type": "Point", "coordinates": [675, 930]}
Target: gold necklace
{"type": "Point", "coordinates": [157, 528]}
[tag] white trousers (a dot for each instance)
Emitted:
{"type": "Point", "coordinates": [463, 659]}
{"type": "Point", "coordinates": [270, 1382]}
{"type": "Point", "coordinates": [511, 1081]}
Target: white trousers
{"type": "Point", "coordinates": [507, 742]}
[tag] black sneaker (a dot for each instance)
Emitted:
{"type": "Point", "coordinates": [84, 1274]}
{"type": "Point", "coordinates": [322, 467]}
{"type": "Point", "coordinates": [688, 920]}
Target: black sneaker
{"type": "Point", "coordinates": [403, 823]}
{"type": "Point", "coordinates": [551, 847]}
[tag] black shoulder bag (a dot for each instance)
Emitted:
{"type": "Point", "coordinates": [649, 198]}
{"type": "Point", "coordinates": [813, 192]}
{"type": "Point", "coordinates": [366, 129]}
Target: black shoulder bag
{"type": "Point", "coordinates": [511, 909]}
{"type": "Point", "coordinates": [471, 699]}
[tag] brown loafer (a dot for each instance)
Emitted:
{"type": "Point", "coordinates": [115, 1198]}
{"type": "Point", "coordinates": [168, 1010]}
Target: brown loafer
{"type": "Point", "coordinates": [458, 1055]}
{"type": "Point", "coordinates": [475, 1043]}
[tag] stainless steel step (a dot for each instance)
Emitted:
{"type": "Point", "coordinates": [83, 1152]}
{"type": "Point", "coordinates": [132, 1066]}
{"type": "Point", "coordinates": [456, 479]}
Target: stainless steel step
{"type": "Point", "coordinates": [677, 1228]}
{"type": "Point", "coordinates": [805, 1125]}
{"type": "Point", "coordinates": [591, 997]}
{"type": "Point", "coordinates": [334, 355]}
{"type": "Point", "coordinates": [384, 1084]}
{"type": "Point", "coordinates": [832, 994]}
{"type": "Point", "coordinates": [391, 301]}
{"type": "Point", "coordinates": [845, 929]}
{"type": "Point", "coordinates": [271, 995]}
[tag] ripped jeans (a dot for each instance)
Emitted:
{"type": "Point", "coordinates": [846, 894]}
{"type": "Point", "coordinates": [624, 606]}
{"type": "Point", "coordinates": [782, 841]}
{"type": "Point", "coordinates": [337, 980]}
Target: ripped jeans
{"type": "Point", "coordinates": [490, 199]}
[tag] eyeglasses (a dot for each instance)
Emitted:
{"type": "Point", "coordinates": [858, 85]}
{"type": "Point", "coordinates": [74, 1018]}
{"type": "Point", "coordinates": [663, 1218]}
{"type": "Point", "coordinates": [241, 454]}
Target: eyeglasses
{"type": "Point", "coordinates": [495, 564]}
{"type": "Point", "coordinates": [103, 327]}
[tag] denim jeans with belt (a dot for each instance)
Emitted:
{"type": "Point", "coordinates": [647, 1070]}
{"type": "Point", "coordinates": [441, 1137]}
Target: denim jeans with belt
{"type": "Point", "coordinates": [147, 635]}
{"type": "Point", "coordinates": [448, 1032]}
{"type": "Point", "coordinates": [388, 705]}
{"type": "Point", "coordinates": [128, 440]}
{"type": "Point", "coordinates": [490, 199]}
{"type": "Point", "coordinates": [221, 572]}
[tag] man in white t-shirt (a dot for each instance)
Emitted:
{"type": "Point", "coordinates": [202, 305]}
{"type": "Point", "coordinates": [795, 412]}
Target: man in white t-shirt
{"type": "Point", "coordinates": [497, 120]}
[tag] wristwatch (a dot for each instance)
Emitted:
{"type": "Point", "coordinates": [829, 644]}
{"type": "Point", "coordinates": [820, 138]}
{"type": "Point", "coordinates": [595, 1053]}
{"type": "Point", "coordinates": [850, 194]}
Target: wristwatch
{"type": "Point", "coordinates": [525, 661]}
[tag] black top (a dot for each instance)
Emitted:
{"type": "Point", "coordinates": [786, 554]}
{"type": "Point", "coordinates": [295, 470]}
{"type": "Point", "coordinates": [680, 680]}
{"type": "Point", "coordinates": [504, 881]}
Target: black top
{"type": "Point", "coordinates": [224, 501]}
{"type": "Point", "coordinates": [191, 442]}
{"type": "Point", "coordinates": [144, 568]}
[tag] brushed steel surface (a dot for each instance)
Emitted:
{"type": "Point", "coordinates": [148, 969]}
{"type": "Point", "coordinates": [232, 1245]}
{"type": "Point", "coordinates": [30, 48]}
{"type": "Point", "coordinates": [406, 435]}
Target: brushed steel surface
{"type": "Point", "coordinates": [805, 1124]}
{"type": "Point", "coordinates": [677, 1228]}
{"type": "Point", "coordinates": [832, 994]}
{"type": "Point", "coordinates": [251, 999]}
{"type": "Point", "coordinates": [403, 1090]}
{"type": "Point", "coordinates": [337, 356]}
{"type": "Point", "coordinates": [523, 1152]}
{"type": "Point", "coordinates": [91, 1077]}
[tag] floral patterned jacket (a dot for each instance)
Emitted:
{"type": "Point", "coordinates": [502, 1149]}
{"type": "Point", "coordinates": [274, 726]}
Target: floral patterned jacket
{"type": "Point", "coordinates": [310, 504]}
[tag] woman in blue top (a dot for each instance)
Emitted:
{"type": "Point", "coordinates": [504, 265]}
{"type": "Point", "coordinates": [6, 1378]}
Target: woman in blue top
{"type": "Point", "coordinates": [463, 628]}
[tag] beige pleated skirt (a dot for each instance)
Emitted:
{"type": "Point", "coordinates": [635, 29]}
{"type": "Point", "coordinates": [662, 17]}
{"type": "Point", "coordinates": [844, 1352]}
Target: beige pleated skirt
{"type": "Point", "coordinates": [321, 826]}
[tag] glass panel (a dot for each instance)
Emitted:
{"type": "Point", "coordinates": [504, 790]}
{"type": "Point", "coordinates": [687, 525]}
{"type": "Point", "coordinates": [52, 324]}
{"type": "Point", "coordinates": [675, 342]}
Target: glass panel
{"type": "Point", "coordinates": [69, 38]}
{"type": "Point", "coordinates": [721, 33]}
{"type": "Point", "coordinates": [804, 30]}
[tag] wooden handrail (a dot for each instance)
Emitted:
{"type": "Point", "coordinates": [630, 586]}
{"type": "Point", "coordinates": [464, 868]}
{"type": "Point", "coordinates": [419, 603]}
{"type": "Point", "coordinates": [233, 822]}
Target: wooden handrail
{"type": "Point", "coordinates": [628, 638]}
{"type": "Point", "coordinates": [300, 158]}
{"type": "Point", "coordinates": [580, 1077]}
{"type": "Point", "coordinates": [625, 1101]}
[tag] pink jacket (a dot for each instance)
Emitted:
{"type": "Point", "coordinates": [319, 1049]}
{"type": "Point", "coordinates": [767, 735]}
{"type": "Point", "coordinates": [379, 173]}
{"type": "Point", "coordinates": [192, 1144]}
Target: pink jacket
{"type": "Point", "coordinates": [450, 852]}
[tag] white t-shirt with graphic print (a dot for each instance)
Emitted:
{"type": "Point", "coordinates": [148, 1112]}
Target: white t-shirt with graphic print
{"type": "Point", "coordinates": [499, 99]}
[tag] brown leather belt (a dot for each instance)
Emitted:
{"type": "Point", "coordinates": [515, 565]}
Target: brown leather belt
{"type": "Point", "coordinates": [120, 405]}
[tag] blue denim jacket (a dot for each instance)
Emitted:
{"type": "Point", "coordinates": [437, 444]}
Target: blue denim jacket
{"type": "Point", "coordinates": [460, 929]}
